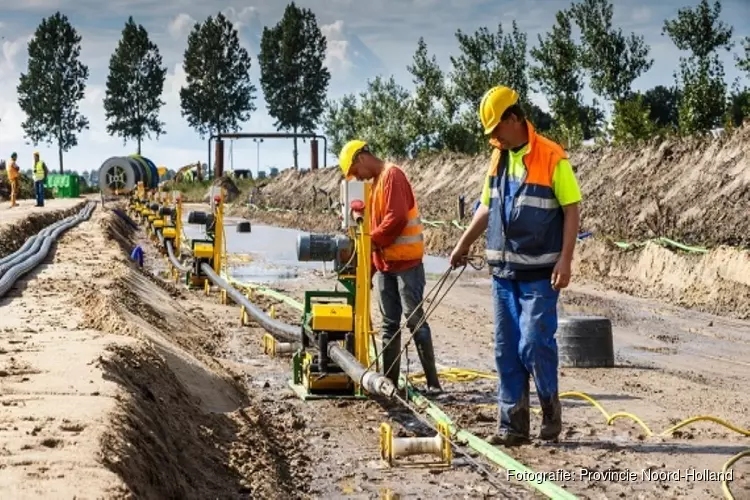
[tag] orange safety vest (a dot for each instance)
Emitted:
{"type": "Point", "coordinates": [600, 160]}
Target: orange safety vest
{"type": "Point", "coordinates": [409, 245]}
{"type": "Point", "coordinates": [12, 170]}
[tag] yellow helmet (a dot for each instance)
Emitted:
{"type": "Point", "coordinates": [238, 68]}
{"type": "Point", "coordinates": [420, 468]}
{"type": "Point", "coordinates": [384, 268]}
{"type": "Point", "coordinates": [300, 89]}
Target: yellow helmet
{"type": "Point", "coordinates": [348, 152]}
{"type": "Point", "coordinates": [493, 105]}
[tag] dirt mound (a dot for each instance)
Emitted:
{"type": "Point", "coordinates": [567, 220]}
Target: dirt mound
{"type": "Point", "coordinates": [13, 236]}
{"type": "Point", "coordinates": [231, 191]}
{"type": "Point", "coordinates": [717, 282]}
{"type": "Point", "coordinates": [693, 190]}
{"type": "Point", "coordinates": [188, 427]}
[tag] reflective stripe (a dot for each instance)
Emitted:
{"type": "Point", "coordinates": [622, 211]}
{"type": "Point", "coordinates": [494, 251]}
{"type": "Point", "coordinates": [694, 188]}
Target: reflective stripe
{"type": "Point", "coordinates": [414, 222]}
{"type": "Point", "coordinates": [508, 256]}
{"type": "Point", "coordinates": [537, 202]}
{"type": "Point", "coordinates": [408, 239]}
{"type": "Point", "coordinates": [495, 193]}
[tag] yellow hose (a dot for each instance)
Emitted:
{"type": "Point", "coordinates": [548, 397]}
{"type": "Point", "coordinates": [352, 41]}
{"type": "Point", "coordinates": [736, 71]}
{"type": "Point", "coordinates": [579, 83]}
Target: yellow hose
{"type": "Point", "coordinates": [468, 375]}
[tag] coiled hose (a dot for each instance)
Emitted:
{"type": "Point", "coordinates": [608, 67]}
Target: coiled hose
{"type": "Point", "coordinates": [29, 260]}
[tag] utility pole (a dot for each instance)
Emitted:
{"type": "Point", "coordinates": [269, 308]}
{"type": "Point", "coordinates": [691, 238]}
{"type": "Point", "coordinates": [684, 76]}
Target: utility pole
{"type": "Point", "coordinates": [257, 156]}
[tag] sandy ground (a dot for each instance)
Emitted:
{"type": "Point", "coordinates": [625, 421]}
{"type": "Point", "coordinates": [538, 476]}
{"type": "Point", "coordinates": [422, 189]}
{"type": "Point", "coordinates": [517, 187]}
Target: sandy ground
{"type": "Point", "coordinates": [102, 396]}
{"type": "Point", "coordinates": [26, 208]}
{"type": "Point", "coordinates": [672, 364]}
{"type": "Point", "coordinates": [162, 394]}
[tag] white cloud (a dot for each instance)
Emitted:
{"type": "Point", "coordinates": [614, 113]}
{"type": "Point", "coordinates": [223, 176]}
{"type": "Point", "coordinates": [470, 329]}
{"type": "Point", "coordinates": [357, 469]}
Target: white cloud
{"type": "Point", "coordinates": [337, 53]}
{"type": "Point", "coordinates": [181, 26]}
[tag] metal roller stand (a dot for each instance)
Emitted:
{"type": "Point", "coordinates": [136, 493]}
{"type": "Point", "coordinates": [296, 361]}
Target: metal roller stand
{"type": "Point", "coordinates": [438, 446]}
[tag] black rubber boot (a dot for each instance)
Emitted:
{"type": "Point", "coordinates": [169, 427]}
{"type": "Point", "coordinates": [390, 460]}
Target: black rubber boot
{"type": "Point", "coordinates": [515, 432]}
{"type": "Point", "coordinates": [551, 419]}
{"type": "Point", "coordinates": [427, 359]}
{"type": "Point", "coordinates": [392, 358]}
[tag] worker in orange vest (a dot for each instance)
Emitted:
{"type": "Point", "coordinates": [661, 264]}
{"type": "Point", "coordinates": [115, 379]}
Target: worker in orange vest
{"type": "Point", "coordinates": [14, 173]}
{"type": "Point", "coordinates": [398, 250]}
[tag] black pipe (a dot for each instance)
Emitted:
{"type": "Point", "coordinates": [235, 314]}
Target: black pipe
{"type": "Point", "coordinates": [275, 327]}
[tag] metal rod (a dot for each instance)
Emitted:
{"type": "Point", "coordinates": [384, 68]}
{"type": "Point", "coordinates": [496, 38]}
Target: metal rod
{"type": "Point", "coordinates": [373, 382]}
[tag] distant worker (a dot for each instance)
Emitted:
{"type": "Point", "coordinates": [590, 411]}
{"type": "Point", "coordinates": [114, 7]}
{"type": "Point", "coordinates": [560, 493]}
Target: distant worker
{"type": "Point", "coordinates": [40, 175]}
{"type": "Point", "coordinates": [14, 174]}
{"type": "Point", "coordinates": [398, 250]}
{"type": "Point", "coordinates": [530, 209]}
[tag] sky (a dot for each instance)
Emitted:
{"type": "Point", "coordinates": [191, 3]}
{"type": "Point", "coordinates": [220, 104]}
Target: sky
{"type": "Point", "coordinates": [364, 40]}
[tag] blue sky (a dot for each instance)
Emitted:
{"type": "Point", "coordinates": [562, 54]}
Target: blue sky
{"type": "Point", "coordinates": [364, 40]}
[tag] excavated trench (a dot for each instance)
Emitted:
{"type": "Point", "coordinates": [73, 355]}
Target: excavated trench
{"type": "Point", "coordinates": [185, 427]}
{"type": "Point", "coordinates": [13, 236]}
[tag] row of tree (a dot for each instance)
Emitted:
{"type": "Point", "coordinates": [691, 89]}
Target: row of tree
{"type": "Point", "coordinates": [217, 98]}
{"type": "Point", "coordinates": [582, 47]}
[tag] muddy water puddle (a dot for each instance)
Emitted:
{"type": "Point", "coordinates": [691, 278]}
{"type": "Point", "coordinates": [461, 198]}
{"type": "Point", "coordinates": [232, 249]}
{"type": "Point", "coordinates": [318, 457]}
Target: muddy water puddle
{"type": "Point", "coordinates": [274, 253]}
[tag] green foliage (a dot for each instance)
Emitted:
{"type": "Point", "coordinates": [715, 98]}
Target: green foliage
{"type": "Point", "coordinates": [703, 102]}
{"type": "Point", "coordinates": [699, 30]}
{"type": "Point", "coordinates": [632, 121]}
{"type": "Point", "coordinates": [738, 108]}
{"type": "Point", "coordinates": [613, 60]}
{"type": "Point", "coordinates": [340, 122]}
{"type": "Point", "coordinates": [743, 61]}
{"type": "Point", "coordinates": [427, 119]}
{"type": "Point", "coordinates": [558, 72]}
{"type": "Point", "coordinates": [663, 106]}
{"type": "Point", "coordinates": [700, 76]}
{"type": "Point", "coordinates": [134, 86]}
{"type": "Point", "coordinates": [293, 77]}
{"type": "Point", "coordinates": [54, 84]}
{"type": "Point", "coordinates": [378, 123]}
{"type": "Point", "coordinates": [219, 94]}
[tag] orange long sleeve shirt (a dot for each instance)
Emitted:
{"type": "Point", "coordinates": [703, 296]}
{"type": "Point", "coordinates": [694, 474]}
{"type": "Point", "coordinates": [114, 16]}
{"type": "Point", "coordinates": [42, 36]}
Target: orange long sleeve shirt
{"type": "Point", "coordinates": [398, 199]}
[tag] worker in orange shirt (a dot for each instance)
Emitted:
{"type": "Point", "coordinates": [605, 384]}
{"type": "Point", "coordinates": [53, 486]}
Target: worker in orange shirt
{"type": "Point", "coordinates": [398, 250]}
{"type": "Point", "coordinates": [14, 173]}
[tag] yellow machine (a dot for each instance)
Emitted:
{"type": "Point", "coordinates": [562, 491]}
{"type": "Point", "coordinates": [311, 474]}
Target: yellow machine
{"type": "Point", "coordinates": [210, 249]}
{"type": "Point", "coordinates": [337, 317]}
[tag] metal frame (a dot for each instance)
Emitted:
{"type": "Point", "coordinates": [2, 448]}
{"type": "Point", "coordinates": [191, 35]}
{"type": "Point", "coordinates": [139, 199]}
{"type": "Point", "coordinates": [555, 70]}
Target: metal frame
{"type": "Point", "coordinates": [267, 135]}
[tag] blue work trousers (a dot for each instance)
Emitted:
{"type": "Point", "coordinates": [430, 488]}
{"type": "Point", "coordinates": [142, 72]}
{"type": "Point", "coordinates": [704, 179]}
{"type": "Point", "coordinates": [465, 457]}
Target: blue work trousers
{"type": "Point", "coordinates": [525, 345]}
{"type": "Point", "coordinates": [39, 191]}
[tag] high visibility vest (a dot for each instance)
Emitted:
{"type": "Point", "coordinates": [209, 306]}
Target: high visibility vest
{"type": "Point", "coordinates": [532, 238]}
{"type": "Point", "coordinates": [39, 171]}
{"type": "Point", "coordinates": [12, 170]}
{"type": "Point", "coordinates": [409, 245]}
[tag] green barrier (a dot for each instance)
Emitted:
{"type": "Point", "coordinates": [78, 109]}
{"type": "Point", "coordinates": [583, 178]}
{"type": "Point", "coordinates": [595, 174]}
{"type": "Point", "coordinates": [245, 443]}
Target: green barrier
{"type": "Point", "coordinates": [64, 185]}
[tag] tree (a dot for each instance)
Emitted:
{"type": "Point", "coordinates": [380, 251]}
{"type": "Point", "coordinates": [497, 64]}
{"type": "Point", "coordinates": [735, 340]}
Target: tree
{"type": "Point", "coordinates": [427, 119]}
{"type": "Point", "coordinates": [379, 104]}
{"type": "Point", "coordinates": [743, 62]}
{"type": "Point", "coordinates": [218, 95]}
{"type": "Point", "coordinates": [558, 72]}
{"type": "Point", "coordinates": [340, 122]}
{"type": "Point", "coordinates": [699, 30]}
{"type": "Point", "coordinates": [54, 84]}
{"type": "Point", "coordinates": [663, 105]}
{"type": "Point", "coordinates": [134, 86]}
{"type": "Point", "coordinates": [293, 76]}
{"type": "Point", "coordinates": [631, 121]}
{"type": "Point", "coordinates": [612, 60]}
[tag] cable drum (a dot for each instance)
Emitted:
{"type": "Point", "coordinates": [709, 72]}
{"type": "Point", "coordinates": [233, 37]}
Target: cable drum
{"type": "Point", "coordinates": [585, 342]}
{"type": "Point", "coordinates": [117, 175]}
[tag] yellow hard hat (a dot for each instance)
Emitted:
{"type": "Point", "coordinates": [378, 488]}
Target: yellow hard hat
{"type": "Point", "coordinates": [493, 105]}
{"type": "Point", "coordinates": [348, 152]}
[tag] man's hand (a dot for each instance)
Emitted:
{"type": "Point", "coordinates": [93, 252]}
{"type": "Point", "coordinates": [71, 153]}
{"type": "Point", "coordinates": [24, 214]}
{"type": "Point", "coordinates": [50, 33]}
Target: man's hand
{"type": "Point", "coordinates": [458, 256]}
{"type": "Point", "coordinates": [357, 216]}
{"type": "Point", "coordinates": [561, 274]}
